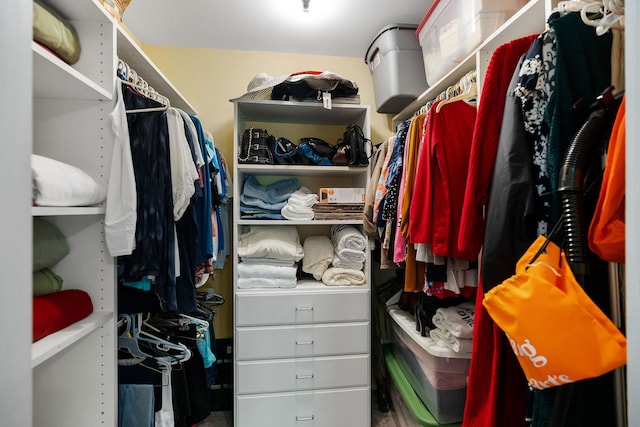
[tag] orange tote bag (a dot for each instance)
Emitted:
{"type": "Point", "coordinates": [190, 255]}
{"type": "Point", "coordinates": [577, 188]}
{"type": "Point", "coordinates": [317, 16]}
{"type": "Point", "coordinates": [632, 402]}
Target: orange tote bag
{"type": "Point", "coordinates": [557, 332]}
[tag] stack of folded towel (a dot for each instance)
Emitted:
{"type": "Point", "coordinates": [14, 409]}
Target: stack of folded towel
{"type": "Point", "coordinates": [349, 255]}
{"type": "Point", "coordinates": [299, 206]}
{"type": "Point", "coordinates": [349, 245]}
{"type": "Point", "coordinates": [261, 201]}
{"type": "Point", "coordinates": [269, 257]}
{"type": "Point", "coordinates": [454, 327]}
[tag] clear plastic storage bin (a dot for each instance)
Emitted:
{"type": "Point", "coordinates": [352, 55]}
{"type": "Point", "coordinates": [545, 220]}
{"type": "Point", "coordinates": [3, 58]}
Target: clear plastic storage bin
{"type": "Point", "coordinates": [452, 29]}
{"type": "Point", "coordinates": [440, 382]}
{"type": "Point", "coordinates": [408, 408]}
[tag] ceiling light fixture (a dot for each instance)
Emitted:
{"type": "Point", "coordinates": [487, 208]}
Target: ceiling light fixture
{"type": "Point", "coordinates": [305, 5]}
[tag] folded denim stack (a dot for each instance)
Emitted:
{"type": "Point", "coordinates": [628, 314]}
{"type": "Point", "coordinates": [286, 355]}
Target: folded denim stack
{"type": "Point", "coordinates": [260, 201]}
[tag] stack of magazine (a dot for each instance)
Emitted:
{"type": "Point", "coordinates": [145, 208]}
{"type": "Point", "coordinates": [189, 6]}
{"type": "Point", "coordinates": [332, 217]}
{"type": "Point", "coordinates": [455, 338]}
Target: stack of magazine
{"type": "Point", "coordinates": [338, 211]}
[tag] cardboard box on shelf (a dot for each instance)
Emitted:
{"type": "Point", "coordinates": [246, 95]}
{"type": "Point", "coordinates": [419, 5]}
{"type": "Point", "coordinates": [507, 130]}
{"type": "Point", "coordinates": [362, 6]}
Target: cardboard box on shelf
{"type": "Point", "coordinates": [341, 195]}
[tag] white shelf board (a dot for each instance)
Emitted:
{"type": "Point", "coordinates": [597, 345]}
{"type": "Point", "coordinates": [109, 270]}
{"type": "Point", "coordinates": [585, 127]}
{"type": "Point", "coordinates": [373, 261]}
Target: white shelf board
{"type": "Point", "coordinates": [54, 78]}
{"type": "Point", "coordinates": [305, 112]}
{"type": "Point", "coordinates": [67, 211]}
{"type": "Point", "coordinates": [86, 10]}
{"type": "Point", "coordinates": [303, 286]}
{"type": "Point", "coordinates": [280, 222]}
{"type": "Point", "coordinates": [306, 170]}
{"type": "Point", "coordinates": [52, 344]}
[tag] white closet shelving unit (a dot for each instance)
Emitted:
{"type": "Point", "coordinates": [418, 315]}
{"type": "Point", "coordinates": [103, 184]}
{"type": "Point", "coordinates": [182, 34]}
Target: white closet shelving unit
{"type": "Point", "coordinates": [74, 370]}
{"type": "Point", "coordinates": [301, 355]}
{"type": "Point", "coordinates": [74, 375]}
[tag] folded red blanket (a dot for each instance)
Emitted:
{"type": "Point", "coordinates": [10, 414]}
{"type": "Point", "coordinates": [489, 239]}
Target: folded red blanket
{"type": "Point", "coordinates": [58, 310]}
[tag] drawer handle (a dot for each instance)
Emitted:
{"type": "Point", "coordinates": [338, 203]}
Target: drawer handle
{"type": "Point", "coordinates": [304, 377]}
{"type": "Point", "coordinates": [309, 418]}
{"type": "Point", "coordinates": [300, 342]}
{"type": "Point", "coordinates": [304, 308]}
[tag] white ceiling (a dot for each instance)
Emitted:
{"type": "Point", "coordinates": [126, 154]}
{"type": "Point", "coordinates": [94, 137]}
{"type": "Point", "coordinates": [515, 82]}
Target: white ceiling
{"type": "Point", "coordinates": [331, 27]}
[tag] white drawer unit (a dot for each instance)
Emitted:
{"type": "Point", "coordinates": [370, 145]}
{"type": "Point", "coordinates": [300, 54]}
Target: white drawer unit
{"type": "Point", "coordinates": [326, 408]}
{"type": "Point", "coordinates": [303, 374]}
{"type": "Point", "coordinates": [296, 308]}
{"type": "Point", "coordinates": [302, 353]}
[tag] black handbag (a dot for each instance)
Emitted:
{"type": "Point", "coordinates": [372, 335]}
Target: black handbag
{"type": "Point", "coordinates": [320, 147]}
{"type": "Point", "coordinates": [357, 146]}
{"type": "Point", "coordinates": [254, 147]}
{"type": "Point", "coordinates": [286, 152]}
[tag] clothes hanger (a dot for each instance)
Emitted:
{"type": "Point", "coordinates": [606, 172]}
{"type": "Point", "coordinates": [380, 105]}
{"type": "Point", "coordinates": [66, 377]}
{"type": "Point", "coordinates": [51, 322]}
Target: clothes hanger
{"type": "Point", "coordinates": [202, 325]}
{"type": "Point", "coordinates": [176, 352]}
{"type": "Point", "coordinates": [568, 6]}
{"type": "Point", "coordinates": [127, 340]}
{"type": "Point", "coordinates": [157, 97]}
{"type": "Point", "coordinates": [471, 93]}
{"type": "Point", "coordinates": [180, 352]}
{"type": "Point", "coordinates": [611, 12]}
{"type": "Point", "coordinates": [206, 311]}
{"type": "Point", "coordinates": [130, 77]}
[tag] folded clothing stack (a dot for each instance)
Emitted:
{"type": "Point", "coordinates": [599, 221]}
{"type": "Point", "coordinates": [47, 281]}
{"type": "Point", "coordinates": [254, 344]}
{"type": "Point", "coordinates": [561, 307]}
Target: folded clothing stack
{"type": "Point", "coordinates": [349, 245]}
{"type": "Point", "coordinates": [454, 327]}
{"type": "Point", "coordinates": [265, 201]}
{"type": "Point", "coordinates": [299, 206]}
{"type": "Point", "coordinates": [269, 257]}
{"type": "Point", "coordinates": [58, 310]}
{"type": "Point", "coordinates": [349, 255]}
{"type": "Point", "coordinates": [318, 254]}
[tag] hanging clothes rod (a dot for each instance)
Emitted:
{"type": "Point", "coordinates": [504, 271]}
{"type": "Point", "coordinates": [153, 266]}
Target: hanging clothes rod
{"type": "Point", "coordinates": [131, 78]}
{"type": "Point", "coordinates": [465, 84]}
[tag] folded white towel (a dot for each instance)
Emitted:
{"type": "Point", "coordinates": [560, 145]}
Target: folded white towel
{"type": "Point", "coordinates": [335, 276]}
{"type": "Point", "coordinates": [271, 261]}
{"type": "Point", "coordinates": [259, 282]}
{"type": "Point", "coordinates": [439, 350]}
{"type": "Point", "coordinates": [351, 255]}
{"type": "Point", "coordinates": [341, 263]}
{"type": "Point", "coordinates": [347, 236]}
{"type": "Point", "coordinates": [446, 339]}
{"type": "Point", "coordinates": [281, 242]}
{"type": "Point", "coordinates": [457, 319]}
{"type": "Point", "coordinates": [60, 184]}
{"type": "Point", "coordinates": [318, 252]}
{"type": "Point", "coordinates": [295, 212]}
{"type": "Point", "coordinates": [303, 197]}
{"type": "Point", "coordinates": [266, 271]}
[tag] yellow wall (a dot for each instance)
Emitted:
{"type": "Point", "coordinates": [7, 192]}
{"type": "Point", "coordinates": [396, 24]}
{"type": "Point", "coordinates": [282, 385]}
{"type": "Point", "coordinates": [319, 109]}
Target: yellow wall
{"type": "Point", "coordinates": [208, 78]}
